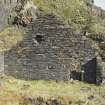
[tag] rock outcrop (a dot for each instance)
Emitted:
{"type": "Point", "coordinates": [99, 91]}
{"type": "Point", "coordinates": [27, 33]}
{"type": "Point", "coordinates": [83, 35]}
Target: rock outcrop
{"type": "Point", "coordinates": [6, 7]}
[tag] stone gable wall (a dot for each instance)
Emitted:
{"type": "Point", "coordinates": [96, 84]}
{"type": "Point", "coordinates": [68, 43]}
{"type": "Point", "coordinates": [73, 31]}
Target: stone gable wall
{"type": "Point", "coordinates": [50, 51]}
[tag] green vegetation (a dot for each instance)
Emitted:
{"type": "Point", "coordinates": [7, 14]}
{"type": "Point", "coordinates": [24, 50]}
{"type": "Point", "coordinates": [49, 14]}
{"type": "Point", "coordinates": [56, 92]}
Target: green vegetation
{"type": "Point", "coordinates": [97, 25]}
{"type": "Point", "coordinates": [9, 37]}
{"type": "Point", "coordinates": [76, 13]}
{"type": "Point", "coordinates": [19, 92]}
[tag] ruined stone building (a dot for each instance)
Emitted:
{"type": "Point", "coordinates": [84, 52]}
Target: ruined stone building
{"type": "Point", "coordinates": [51, 50]}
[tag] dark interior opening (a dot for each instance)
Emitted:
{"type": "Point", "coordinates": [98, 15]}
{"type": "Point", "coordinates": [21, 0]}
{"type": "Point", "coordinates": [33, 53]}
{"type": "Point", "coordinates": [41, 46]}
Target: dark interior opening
{"type": "Point", "coordinates": [90, 71]}
{"type": "Point", "coordinates": [76, 75]}
{"type": "Point", "coordinates": [39, 38]}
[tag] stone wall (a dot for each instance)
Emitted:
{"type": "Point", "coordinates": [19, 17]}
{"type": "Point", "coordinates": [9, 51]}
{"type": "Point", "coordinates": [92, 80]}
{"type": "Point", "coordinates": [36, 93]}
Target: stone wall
{"type": "Point", "coordinates": [50, 51]}
{"type": "Point", "coordinates": [1, 63]}
{"type": "Point", "coordinates": [97, 11]}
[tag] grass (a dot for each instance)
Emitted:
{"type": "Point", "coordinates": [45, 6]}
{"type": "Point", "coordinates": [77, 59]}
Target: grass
{"type": "Point", "coordinates": [9, 37]}
{"type": "Point", "coordinates": [20, 92]}
{"type": "Point", "coordinates": [76, 13]}
{"type": "Point", "coordinates": [73, 12]}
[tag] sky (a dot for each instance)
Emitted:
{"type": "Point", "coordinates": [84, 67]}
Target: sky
{"type": "Point", "coordinates": [100, 3]}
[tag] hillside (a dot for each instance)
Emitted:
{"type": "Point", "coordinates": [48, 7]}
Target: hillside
{"type": "Point", "coordinates": [81, 15]}
{"type": "Point", "coordinates": [19, 92]}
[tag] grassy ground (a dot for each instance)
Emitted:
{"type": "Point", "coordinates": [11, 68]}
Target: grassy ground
{"type": "Point", "coordinates": [9, 37]}
{"type": "Point", "coordinates": [19, 92]}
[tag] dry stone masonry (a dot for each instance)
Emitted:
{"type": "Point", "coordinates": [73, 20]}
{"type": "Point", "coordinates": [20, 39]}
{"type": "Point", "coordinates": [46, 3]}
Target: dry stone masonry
{"type": "Point", "coordinates": [52, 51]}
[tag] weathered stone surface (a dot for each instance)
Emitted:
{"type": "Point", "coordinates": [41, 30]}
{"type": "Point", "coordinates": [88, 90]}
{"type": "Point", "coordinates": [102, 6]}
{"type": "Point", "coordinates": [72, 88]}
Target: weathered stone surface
{"type": "Point", "coordinates": [50, 51]}
{"type": "Point", "coordinates": [1, 63]}
{"type": "Point", "coordinates": [6, 7]}
{"type": "Point", "coordinates": [97, 11]}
